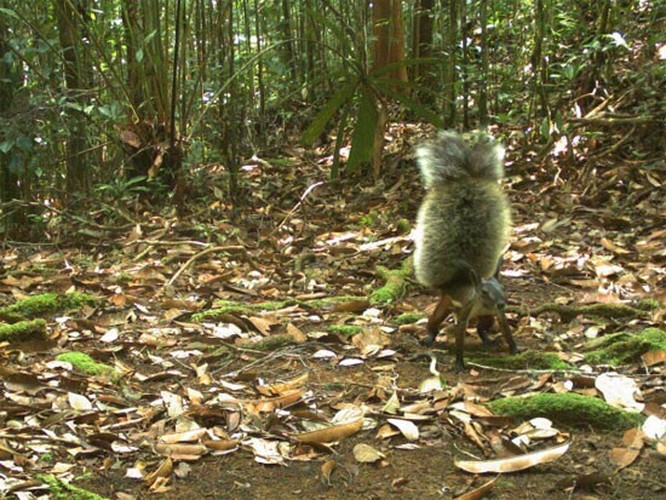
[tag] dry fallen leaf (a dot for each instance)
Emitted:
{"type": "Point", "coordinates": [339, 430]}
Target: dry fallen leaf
{"type": "Point", "coordinates": [327, 470]}
{"type": "Point", "coordinates": [221, 445]}
{"type": "Point", "coordinates": [79, 402]}
{"type": "Point", "coordinates": [513, 464]}
{"type": "Point", "coordinates": [183, 437]}
{"type": "Point", "coordinates": [184, 451]}
{"type": "Point", "coordinates": [297, 333]}
{"type": "Point", "coordinates": [163, 471]}
{"type": "Point", "coordinates": [270, 404]}
{"type": "Point", "coordinates": [619, 391]}
{"type": "Point", "coordinates": [331, 434]}
{"type": "Point", "coordinates": [653, 358]}
{"type": "Point", "coordinates": [407, 428]}
{"type": "Point", "coordinates": [626, 455]}
{"type": "Point", "coordinates": [365, 453]}
{"type": "Point", "coordinates": [623, 457]}
{"type": "Point", "coordinates": [479, 492]}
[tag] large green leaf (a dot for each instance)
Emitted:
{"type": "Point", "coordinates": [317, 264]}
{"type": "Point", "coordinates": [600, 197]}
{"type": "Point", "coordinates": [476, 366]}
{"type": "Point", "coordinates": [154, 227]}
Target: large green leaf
{"type": "Point", "coordinates": [317, 126]}
{"type": "Point", "coordinates": [363, 137]}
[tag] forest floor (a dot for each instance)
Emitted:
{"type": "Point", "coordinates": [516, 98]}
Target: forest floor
{"type": "Point", "coordinates": [208, 407]}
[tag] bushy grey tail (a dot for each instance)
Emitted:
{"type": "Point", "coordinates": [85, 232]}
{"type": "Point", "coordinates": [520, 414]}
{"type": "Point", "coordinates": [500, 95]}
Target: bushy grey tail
{"type": "Point", "coordinates": [448, 157]}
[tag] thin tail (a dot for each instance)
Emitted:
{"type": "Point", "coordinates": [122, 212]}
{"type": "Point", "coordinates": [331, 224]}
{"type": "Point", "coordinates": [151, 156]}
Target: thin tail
{"type": "Point", "coordinates": [448, 158]}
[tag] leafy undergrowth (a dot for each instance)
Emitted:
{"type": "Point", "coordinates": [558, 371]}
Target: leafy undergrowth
{"type": "Point", "coordinates": [216, 351]}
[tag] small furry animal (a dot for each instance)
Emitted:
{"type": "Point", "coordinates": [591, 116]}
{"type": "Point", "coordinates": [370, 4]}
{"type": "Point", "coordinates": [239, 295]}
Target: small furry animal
{"type": "Point", "coordinates": [462, 228]}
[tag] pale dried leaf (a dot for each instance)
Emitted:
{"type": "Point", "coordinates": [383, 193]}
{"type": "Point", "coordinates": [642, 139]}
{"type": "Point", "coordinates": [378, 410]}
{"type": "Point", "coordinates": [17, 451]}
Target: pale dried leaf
{"type": "Point", "coordinates": [619, 391]}
{"type": "Point", "coordinates": [365, 453]}
{"type": "Point", "coordinates": [407, 428]}
{"type": "Point", "coordinates": [513, 464]}
{"type": "Point", "coordinates": [79, 402]}
{"type": "Point", "coordinates": [479, 492]}
{"type": "Point", "coordinates": [163, 471]}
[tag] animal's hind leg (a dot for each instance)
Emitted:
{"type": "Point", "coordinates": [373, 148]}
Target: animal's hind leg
{"type": "Point", "coordinates": [442, 310]}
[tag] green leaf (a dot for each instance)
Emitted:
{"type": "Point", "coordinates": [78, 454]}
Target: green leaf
{"type": "Point", "coordinates": [363, 137]}
{"type": "Point", "coordinates": [6, 146]}
{"type": "Point", "coordinates": [9, 12]}
{"type": "Point", "coordinates": [334, 103]}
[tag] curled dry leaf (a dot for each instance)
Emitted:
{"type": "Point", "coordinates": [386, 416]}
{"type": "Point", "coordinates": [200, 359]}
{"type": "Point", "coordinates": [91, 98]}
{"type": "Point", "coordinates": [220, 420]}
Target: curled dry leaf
{"type": "Point", "coordinates": [163, 471]}
{"type": "Point", "coordinates": [270, 404]}
{"type": "Point", "coordinates": [181, 450]}
{"type": "Point", "coordinates": [327, 470]}
{"type": "Point", "coordinates": [352, 306]}
{"type": "Point", "coordinates": [407, 428]}
{"type": "Point", "coordinates": [513, 464]}
{"type": "Point", "coordinates": [331, 434]}
{"type": "Point", "coordinates": [626, 455]}
{"type": "Point", "coordinates": [366, 454]}
{"type": "Point", "coordinates": [284, 387]}
{"type": "Point", "coordinates": [653, 358]}
{"type": "Point", "coordinates": [221, 444]}
{"type": "Point", "coordinates": [479, 492]}
{"type": "Point", "coordinates": [183, 437]}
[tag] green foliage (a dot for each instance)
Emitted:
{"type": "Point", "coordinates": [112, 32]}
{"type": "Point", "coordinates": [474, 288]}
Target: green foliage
{"type": "Point", "coordinates": [267, 78]}
{"type": "Point", "coordinates": [125, 190]}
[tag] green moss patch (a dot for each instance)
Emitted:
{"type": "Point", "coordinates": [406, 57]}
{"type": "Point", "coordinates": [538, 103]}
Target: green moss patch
{"type": "Point", "coordinates": [395, 283]}
{"type": "Point", "coordinates": [623, 347]}
{"type": "Point", "coordinates": [23, 330]}
{"type": "Point", "coordinates": [524, 360]}
{"type": "Point", "coordinates": [85, 364]}
{"type": "Point", "coordinates": [408, 318]}
{"type": "Point", "coordinates": [568, 409]}
{"type": "Point", "coordinates": [60, 490]}
{"type": "Point", "coordinates": [44, 304]}
{"type": "Point", "coordinates": [403, 226]}
{"type": "Point", "coordinates": [345, 331]}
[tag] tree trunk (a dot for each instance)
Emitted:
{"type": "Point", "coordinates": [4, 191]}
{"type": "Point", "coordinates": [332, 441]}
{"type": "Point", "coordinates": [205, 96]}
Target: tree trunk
{"type": "Point", "coordinates": [464, 64]}
{"type": "Point", "coordinates": [450, 69]}
{"type": "Point", "coordinates": [78, 179]}
{"type": "Point", "coordinates": [289, 59]}
{"type": "Point", "coordinates": [422, 40]}
{"type": "Point", "coordinates": [483, 81]}
{"type": "Point", "coordinates": [389, 34]}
